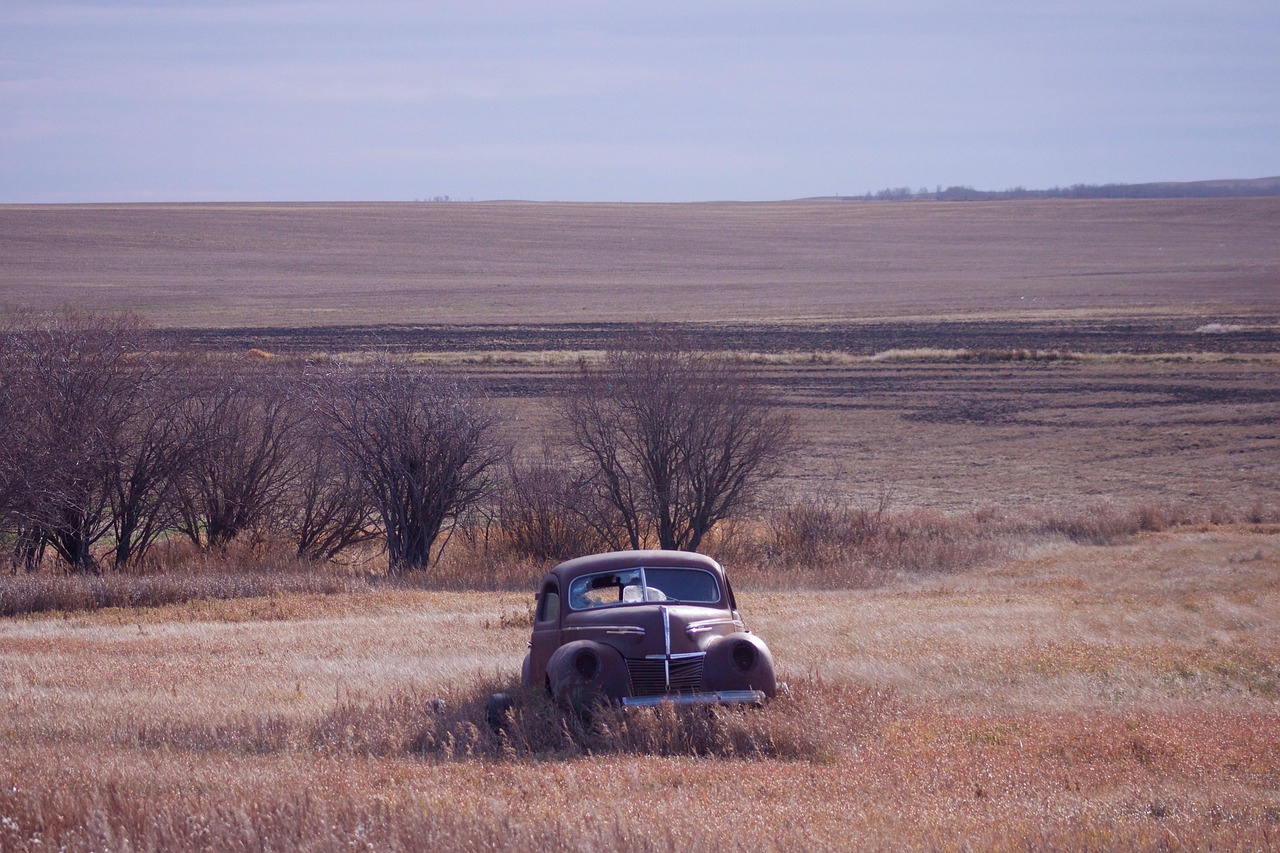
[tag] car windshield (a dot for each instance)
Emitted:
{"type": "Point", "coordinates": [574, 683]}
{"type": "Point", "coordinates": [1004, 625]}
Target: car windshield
{"type": "Point", "coordinates": [636, 586]}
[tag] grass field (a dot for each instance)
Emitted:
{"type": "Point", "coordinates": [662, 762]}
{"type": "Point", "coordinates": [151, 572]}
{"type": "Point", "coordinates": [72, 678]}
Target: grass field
{"type": "Point", "coordinates": [996, 373]}
{"type": "Point", "coordinates": [1086, 698]}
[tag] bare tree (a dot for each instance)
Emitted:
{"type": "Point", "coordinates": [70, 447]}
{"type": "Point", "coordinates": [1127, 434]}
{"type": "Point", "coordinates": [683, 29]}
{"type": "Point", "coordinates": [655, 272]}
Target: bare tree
{"type": "Point", "coordinates": [92, 449]}
{"type": "Point", "coordinates": [673, 441]}
{"type": "Point", "coordinates": [15, 439]}
{"type": "Point", "coordinates": [148, 466]}
{"type": "Point", "coordinates": [244, 424]}
{"type": "Point", "coordinates": [328, 511]}
{"type": "Point", "coordinates": [421, 446]}
{"type": "Point", "coordinates": [74, 387]}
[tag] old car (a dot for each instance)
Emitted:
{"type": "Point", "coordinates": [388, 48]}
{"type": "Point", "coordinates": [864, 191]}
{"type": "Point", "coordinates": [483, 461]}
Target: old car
{"type": "Point", "coordinates": [644, 627]}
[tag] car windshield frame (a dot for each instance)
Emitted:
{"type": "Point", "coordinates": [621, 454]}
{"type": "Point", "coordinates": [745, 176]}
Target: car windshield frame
{"type": "Point", "coordinates": [582, 590]}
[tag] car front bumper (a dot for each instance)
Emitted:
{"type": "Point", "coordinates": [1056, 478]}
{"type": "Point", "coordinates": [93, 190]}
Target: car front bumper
{"type": "Point", "coordinates": [718, 697]}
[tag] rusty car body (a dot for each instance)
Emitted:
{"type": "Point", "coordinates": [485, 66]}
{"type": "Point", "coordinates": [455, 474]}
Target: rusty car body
{"type": "Point", "coordinates": [641, 628]}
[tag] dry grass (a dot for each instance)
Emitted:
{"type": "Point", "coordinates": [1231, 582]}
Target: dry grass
{"type": "Point", "coordinates": [1087, 697]}
{"type": "Point", "coordinates": [47, 591]}
{"type": "Point", "coordinates": [807, 724]}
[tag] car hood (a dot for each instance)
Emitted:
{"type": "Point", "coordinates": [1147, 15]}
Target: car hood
{"type": "Point", "coordinates": [642, 630]}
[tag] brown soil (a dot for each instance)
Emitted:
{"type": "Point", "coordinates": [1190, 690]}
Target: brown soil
{"type": "Point", "coordinates": [264, 265]}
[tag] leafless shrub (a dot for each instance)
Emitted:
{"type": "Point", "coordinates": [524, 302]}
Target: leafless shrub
{"type": "Point", "coordinates": [14, 470]}
{"type": "Point", "coordinates": [1102, 524]}
{"type": "Point", "coordinates": [823, 530]}
{"type": "Point", "coordinates": [1153, 518]}
{"type": "Point", "coordinates": [149, 465]}
{"type": "Point", "coordinates": [1261, 513]}
{"type": "Point", "coordinates": [541, 512]}
{"type": "Point", "coordinates": [672, 441]}
{"type": "Point", "coordinates": [471, 564]}
{"type": "Point", "coordinates": [117, 447]}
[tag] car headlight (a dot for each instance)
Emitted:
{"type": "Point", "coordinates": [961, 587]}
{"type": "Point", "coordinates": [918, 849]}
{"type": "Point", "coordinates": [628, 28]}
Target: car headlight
{"type": "Point", "coordinates": [744, 655]}
{"type": "Point", "coordinates": [586, 663]}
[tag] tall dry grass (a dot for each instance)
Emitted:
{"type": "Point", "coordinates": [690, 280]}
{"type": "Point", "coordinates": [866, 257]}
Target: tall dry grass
{"type": "Point", "coordinates": [905, 775]}
{"type": "Point", "coordinates": [807, 723]}
{"type": "Point", "coordinates": [821, 542]}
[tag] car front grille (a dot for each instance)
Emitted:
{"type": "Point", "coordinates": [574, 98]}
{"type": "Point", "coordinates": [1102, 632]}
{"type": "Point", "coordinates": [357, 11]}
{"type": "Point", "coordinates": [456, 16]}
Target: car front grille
{"type": "Point", "coordinates": [648, 677]}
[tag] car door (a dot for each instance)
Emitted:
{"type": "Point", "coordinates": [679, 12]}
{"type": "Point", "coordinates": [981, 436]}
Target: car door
{"type": "Point", "coordinates": [546, 631]}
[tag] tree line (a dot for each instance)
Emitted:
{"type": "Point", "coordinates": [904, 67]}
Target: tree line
{"type": "Point", "coordinates": [1169, 189]}
{"type": "Point", "coordinates": [110, 447]}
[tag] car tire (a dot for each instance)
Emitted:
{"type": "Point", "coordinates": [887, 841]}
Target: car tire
{"type": "Point", "coordinates": [497, 710]}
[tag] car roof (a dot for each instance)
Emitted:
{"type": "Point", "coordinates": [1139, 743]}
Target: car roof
{"type": "Point", "coordinates": [616, 560]}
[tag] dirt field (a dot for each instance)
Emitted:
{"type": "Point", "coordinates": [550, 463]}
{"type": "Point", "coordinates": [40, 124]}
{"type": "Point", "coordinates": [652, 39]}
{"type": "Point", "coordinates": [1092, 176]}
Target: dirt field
{"type": "Point", "coordinates": [1082, 698]}
{"type": "Point", "coordinates": [305, 265]}
{"type": "Point", "coordinates": [956, 437]}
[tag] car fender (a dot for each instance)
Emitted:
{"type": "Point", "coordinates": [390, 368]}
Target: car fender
{"type": "Point", "coordinates": [739, 661]}
{"type": "Point", "coordinates": [583, 672]}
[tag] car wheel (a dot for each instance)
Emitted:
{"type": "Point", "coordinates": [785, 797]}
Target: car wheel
{"type": "Point", "coordinates": [497, 710]}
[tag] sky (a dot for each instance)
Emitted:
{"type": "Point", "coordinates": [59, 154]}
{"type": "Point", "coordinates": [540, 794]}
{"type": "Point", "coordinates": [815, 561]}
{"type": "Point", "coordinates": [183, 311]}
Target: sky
{"type": "Point", "coordinates": [595, 100]}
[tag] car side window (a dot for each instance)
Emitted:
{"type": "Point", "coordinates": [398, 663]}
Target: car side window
{"type": "Point", "coordinates": [549, 604]}
{"type": "Point", "coordinates": [601, 590]}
